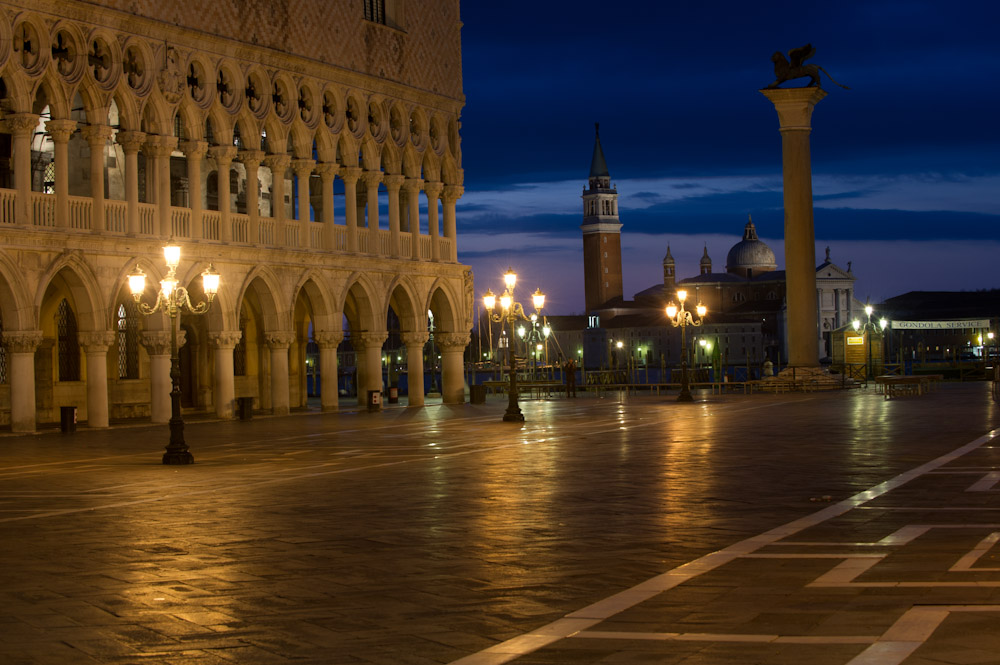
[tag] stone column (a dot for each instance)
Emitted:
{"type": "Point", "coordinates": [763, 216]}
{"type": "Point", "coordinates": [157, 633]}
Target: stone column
{"type": "Point", "coordinates": [433, 192]}
{"type": "Point", "coordinates": [278, 342]}
{"type": "Point", "coordinates": [327, 172]}
{"type": "Point", "coordinates": [412, 188]}
{"type": "Point", "coordinates": [415, 342]}
{"type": "Point", "coordinates": [157, 343]}
{"type": "Point", "coordinates": [224, 389]}
{"type": "Point", "coordinates": [794, 107]}
{"type": "Point", "coordinates": [449, 197]}
{"type": "Point", "coordinates": [303, 171]}
{"type": "Point", "coordinates": [159, 148]}
{"type": "Point", "coordinates": [350, 176]}
{"type": "Point", "coordinates": [22, 126]}
{"type": "Point", "coordinates": [60, 131]}
{"type": "Point", "coordinates": [251, 162]}
{"type": "Point", "coordinates": [97, 138]}
{"type": "Point", "coordinates": [131, 142]}
{"type": "Point", "coordinates": [372, 180]}
{"type": "Point", "coordinates": [224, 155]}
{"type": "Point", "coordinates": [21, 347]}
{"type": "Point", "coordinates": [278, 163]}
{"type": "Point", "coordinates": [452, 347]}
{"type": "Point", "coordinates": [95, 344]}
{"type": "Point", "coordinates": [393, 183]}
{"type": "Point", "coordinates": [372, 343]}
{"type": "Point", "coordinates": [194, 151]}
{"type": "Point", "coordinates": [329, 397]}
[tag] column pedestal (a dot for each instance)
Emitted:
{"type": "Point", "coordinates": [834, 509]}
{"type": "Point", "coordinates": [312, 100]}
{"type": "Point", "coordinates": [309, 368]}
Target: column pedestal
{"type": "Point", "coordinates": [329, 395]}
{"type": "Point", "coordinates": [21, 356]}
{"type": "Point", "coordinates": [157, 345]}
{"type": "Point", "coordinates": [452, 347]}
{"type": "Point", "coordinates": [95, 346]}
{"type": "Point", "coordinates": [224, 389]}
{"type": "Point", "coordinates": [415, 342]}
{"type": "Point", "coordinates": [279, 342]}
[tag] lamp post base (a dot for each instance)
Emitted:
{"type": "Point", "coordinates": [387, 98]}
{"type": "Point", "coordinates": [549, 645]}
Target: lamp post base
{"type": "Point", "coordinates": [178, 457]}
{"type": "Point", "coordinates": [685, 396]}
{"type": "Point", "coordinates": [513, 416]}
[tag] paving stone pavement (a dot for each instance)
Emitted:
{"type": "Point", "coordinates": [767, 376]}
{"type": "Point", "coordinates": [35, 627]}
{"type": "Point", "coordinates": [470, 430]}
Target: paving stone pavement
{"type": "Point", "coordinates": [823, 528]}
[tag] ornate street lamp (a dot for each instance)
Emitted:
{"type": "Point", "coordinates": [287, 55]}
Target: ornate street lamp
{"type": "Point", "coordinates": [172, 299]}
{"type": "Point", "coordinates": [511, 311]}
{"type": "Point", "coordinates": [869, 327]}
{"type": "Point", "coordinates": [681, 317]}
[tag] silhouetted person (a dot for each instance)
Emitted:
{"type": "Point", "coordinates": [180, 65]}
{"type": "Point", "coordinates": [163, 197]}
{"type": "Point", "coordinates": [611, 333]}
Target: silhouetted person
{"type": "Point", "coordinates": [569, 371]}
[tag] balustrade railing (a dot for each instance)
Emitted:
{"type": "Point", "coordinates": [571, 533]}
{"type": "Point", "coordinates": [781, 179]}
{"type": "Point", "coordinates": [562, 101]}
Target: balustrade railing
{"type": "Point", "coordinates": [289, 234]}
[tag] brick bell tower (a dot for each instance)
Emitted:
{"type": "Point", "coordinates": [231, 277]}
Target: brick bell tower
{"type": "Point", "coordinates": [602, 238]}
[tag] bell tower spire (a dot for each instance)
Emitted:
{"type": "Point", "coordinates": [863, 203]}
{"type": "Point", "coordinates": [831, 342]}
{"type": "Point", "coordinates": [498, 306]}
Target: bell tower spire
{"type": "Point", "coordinates": [602, 246]}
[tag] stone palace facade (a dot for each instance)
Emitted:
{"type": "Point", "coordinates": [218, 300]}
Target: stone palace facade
{"type": "Point", "coordinates": [309, 150]}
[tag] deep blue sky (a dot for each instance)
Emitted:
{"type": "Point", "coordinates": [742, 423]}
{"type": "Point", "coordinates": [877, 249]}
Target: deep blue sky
{"type": "Point", "coordinates": [906, 164]}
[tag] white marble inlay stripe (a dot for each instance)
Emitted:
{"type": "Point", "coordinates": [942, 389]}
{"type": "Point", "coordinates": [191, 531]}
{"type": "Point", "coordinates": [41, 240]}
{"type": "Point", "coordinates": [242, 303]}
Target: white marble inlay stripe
{"type": "Point", "coordinates": [725, 637]}
{"type": "Point", "coordinates": [514, 648]}
{"type": "Point", "coordinates": [970, 559]}
{"type": "Point", "coordinates": [986, 483]}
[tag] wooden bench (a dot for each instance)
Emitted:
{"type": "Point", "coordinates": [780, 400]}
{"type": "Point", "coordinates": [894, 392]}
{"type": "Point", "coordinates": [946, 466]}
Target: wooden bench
{"type": "Point", "coordinates": [896, 386]}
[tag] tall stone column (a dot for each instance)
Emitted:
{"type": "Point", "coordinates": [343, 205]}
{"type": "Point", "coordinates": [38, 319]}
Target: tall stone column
{"type": "Point", "coordinates": [452, 347]}
{"type": "Point", "coordinates": [21, 347]}
{"type": "Point", "coordinates": [327, 172]}
{"type": "Point", "coordinates": [157, 343]}
{"type": "Point", "coordinates": [433, 192]}
{"type": "Point", "coordinates": [449, 197]}
{"type": "Point", "coordinates": [393, 183]}
{"type": "Point", "coordinates": [372, 343]}
{"type": "Point", "coordinates": [251, 162]}
{"type": "Point", "coordinates": [794, 107]}
{"type": "Point", "coordinates": [131, 142]}
{"type": "Point", "coordinates": [415, 342]}
{"type": "Point", "coordinates": [60, 131]}
{"type": "Point", "coordinates": [329, 397]}
{"type": "Point", "coordinates": [224, 390]}
{"type": "Point", "coordinates": [412, 187]}
{"type": "Point", "coordinates": [224, 155]}
{"type": "Point", "coordinates": [97, 138]}
{"type": "Point", "coordinates": [350, 176]}
{"type": "Point", "coordinates": [22, 126]}
{"type": "Point", "coordinates": [303, 171]}
{"type": "Point", "coordinates": [95, 344]}
{"type": "Point", "coordinates": [194, 151]}
{"type": "Point", "coordinates": [372, 180]}
{"type": "Point", "coordinates": [278, 342]}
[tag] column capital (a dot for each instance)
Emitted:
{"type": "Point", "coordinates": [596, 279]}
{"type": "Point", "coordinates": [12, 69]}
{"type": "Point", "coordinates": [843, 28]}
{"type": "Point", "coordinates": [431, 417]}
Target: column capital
{"type": "Point", "coordinates": [279, 339]}
{"type": "Point", "coordinates": [224, 154]}
{"type": "Point", "coordinates": [130, 141]}
{"type": "Point", "coordinates": [369, 339]}
{"type": "Point", "coordinates": [794, 106]}
{"type": "Point", "coordinates": [22, 341]}
{"type": "Point", "coordinates": [433, 189]}
{"type": "Point", "coordinates": [452, 193]}
{"type": "Point", "coordinates": [225, 339]}
{"type": "Point", "coordinates": [415, 338]}
{"type": "Point", "coordinates": [254, 157]}
{"type": "Point", "coordinates": [329, 339]}
{"type": "Point", "coordinates": [277, 161]}
{"type": "Point", "coordinates": [22, 123]}
{"type": "Point", "coordinates": [303, 167]}
{"type": "Point", "coordinates": [194, 149]}
{"type": "Point", "coordinates": [351, 174]}
{"type": "Point", "coordinates": [96, 134]}
{"type": "Point", "coordinates": [372, 178]}
{"type": "Point", "coordinates": [157, 342]}
{"type": "Point", "coordinates": [393, 182]}
{"type": "Point", "coordinates": [96, 341]}
{"type": "Point", "coordinates": [452, 341]}
{"type": "Point", "coordinates": [413, 184]}
{"type": "Point", "coordinates": [160, 146]}
{"type": "Point", "coordinates": [60, 130]}
{"type": "Point", "coordinates": [327, 170]}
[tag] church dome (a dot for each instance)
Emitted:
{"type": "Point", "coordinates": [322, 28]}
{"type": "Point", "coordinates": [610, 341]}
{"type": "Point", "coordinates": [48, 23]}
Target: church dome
{"type": "Point", "coordinates": [750, 256]}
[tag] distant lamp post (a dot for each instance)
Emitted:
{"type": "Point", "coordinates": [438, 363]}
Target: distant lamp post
{"type": "Point", "coordinates": [511, 311]}
{"type": "Point", "coordinates": [173, 299]}
{"type": "Point", "coordinates": [869, 327]}
{"type": "Point", "coordinates": [683, 318]}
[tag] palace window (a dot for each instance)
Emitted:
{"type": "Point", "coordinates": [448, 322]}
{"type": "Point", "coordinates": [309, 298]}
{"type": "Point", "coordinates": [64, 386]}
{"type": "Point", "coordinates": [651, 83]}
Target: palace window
{"type": "Point", "coordinates": [375, 11]}
{"type": "Point", "coordinates": [3, 358]}
{"type": "Point", "coordinates": [68, 344]}
{"type": "Point", "coordinates": [127, 328]}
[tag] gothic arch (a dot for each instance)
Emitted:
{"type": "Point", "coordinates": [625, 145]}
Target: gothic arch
{"type": "Point", "coordinates": [360, 305]}
{"type": "Point", "coordinates": [79, 281]}
{"type": "Point", "coordinates": [405, 303]}
{"type": "Point", "coordinates": [265, 287]}
{"type": "Point", "coordinates": [15, 306]}
{"type": "Point", "coordinates": [317, 290]}
{"type": "Point", "coordinates": [442, 302]}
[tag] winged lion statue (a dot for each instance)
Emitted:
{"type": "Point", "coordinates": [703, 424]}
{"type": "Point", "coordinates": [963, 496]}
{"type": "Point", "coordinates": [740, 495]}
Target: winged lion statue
{"type": "Point", "coordinates": [793, 67]}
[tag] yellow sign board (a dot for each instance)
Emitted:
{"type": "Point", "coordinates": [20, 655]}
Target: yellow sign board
{"type": "Point", "coordinates": [855, 341]}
